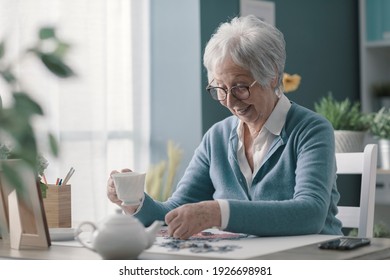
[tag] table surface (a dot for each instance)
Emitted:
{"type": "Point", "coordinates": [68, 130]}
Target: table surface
{"type": "Point", "coordinates": [378, 249]}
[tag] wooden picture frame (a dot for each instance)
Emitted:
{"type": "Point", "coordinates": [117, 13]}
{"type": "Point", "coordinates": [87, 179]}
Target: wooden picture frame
{"type": "Point", "coordinates": [4, 224]}
{"type": "Point", "coordinates": [22, 216]}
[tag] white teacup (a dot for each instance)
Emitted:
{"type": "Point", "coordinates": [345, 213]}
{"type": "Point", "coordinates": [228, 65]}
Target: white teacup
{"type": "Point", "coordinates": [129, 187]}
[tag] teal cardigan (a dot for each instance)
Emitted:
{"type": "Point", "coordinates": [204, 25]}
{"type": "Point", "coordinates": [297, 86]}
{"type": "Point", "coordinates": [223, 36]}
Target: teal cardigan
{"type": "Point", "coordinates": [293, 193]}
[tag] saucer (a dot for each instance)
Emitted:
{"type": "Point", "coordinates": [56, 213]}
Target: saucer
{"type": "Point", "coordinates": [62, 234]}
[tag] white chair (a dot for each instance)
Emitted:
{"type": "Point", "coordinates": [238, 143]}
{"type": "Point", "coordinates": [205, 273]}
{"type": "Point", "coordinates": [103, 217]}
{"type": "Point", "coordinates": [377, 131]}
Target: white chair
{"type": "Point", "coordinates": [364, 163]}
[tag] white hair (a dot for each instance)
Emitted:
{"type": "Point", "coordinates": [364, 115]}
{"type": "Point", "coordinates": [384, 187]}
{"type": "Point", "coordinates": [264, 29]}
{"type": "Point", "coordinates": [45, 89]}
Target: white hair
{"type": "Point", "coordinates": [253, 45]}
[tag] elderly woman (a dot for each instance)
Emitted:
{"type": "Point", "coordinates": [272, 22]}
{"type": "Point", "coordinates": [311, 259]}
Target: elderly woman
{"type": "Point", "coordinates": [267, 170]}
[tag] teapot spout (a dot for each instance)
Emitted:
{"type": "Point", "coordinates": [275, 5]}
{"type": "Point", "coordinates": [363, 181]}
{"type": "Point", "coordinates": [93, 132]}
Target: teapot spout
{"type": "Point", "coordinates": [151, 232]}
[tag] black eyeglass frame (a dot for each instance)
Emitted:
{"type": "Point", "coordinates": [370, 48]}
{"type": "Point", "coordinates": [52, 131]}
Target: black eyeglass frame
{"type": "Point", "coordinates": [215, 95]}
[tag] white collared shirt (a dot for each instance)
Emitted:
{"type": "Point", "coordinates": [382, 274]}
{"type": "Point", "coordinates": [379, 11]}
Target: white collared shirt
{"type": "Point", "coordinates": [261, 145]}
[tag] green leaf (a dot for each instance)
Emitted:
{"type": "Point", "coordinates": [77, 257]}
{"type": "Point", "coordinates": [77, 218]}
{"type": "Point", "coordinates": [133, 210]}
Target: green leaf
{"type": "Point", "coordinates": [47, 33]}
{"type": "Point", "coordinates": [4, 151]}
{"type": "Point", "coordinates": [14, 123]}
{"type": "Point", "coordinates": [26, 149]}
{"type": "Point", "coordinates": [56, 65]}
{"type": "Point", "coordinates": [43, 188]}
{"type": "Point", "coordinates": [8, 76]}
{"type": "Point", "coordinates": [26, 105]}
{"type": "Point", "coordinates": [380, 123]}
{"type": "Point", "coordinates": [2, 49]}
{"type": "Point", "coordinates": [13, 178]}
{"type": "Point", "coordinates": [61, 49]}
{"type": "Point", "coordinates": [343, 115]}
{"type": "Point", "coordinates": [53, 144]}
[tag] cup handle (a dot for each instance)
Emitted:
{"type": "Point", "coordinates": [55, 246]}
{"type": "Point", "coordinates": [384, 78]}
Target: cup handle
{"type": "Point", "coordinates": [79, 230]}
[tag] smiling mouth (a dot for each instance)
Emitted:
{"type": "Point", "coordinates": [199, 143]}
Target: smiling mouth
{"type": "Point", "coordinates": [243, 110]}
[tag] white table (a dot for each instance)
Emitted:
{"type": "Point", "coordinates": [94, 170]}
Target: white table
{"type": "Point", "coordinates": [290, 247]}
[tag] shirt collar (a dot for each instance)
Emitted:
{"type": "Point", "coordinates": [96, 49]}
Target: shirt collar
{"type": "Point", "coordinates": [276, 120]}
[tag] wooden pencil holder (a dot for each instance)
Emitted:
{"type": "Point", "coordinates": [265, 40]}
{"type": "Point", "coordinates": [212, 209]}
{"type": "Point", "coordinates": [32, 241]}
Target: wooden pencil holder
{"type": "Point", "coordinates": [58, 206]}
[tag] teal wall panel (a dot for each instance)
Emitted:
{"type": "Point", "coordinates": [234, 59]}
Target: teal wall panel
{"type": "Point", "coordinates": [322, 46]}
{"type": "Point", "coordinates": [212, 13]}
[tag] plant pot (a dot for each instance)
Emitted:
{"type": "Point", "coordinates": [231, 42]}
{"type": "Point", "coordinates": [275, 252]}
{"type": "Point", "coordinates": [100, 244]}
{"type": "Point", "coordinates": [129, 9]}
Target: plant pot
{"type": "Point", "coordinates": [348, 141]}
{"type": "Point", "coordinates": [384, 153]}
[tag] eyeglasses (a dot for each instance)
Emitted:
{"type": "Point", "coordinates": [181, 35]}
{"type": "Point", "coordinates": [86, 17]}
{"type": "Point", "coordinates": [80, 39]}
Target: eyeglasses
{"type": "Point", "coordinates": [239, 92]}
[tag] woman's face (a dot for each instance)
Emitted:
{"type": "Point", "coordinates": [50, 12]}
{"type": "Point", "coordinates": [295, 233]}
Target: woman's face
{"type": "Point", "coordinates": [253, 111]}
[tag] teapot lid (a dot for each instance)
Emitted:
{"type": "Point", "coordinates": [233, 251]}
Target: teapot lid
{"type": "Point", "coordinates": [119, 218]}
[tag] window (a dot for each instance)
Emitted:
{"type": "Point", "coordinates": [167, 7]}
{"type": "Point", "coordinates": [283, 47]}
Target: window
{"type": "Point", "coordinates": [101, 116]}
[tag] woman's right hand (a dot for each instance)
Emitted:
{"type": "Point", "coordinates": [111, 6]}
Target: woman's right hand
{"type": "Point", "coordinates": [112, 195]}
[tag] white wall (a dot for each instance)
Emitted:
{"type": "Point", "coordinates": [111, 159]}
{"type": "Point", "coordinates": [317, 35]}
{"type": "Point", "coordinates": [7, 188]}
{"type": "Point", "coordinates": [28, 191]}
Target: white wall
{"type": "Point", "coordinates": [175, 77]}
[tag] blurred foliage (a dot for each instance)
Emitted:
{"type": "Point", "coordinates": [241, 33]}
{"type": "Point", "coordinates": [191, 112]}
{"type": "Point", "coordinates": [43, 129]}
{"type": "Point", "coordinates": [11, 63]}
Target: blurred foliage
{"type": "Point", "coordinates": [16, 129]}
{"type": "Point", "coordinates": [380, 123]}
{"type": "Point", "coordinates": [343, 115]}
{"type": "Point", "coordinates": [380, 230]}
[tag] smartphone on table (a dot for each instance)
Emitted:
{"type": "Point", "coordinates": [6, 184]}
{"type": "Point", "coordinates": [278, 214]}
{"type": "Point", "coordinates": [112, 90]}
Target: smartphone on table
{"type": "Point", "coordinates": [344, 243]}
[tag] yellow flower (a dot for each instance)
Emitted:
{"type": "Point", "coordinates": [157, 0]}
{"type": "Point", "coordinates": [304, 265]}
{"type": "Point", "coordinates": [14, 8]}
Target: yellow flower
{"type": "Point", "coordinates": [291, 82]}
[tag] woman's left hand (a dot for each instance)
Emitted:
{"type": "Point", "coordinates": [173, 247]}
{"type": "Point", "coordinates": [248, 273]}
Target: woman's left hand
{"type": "Point", "coordinates": [190, 219]}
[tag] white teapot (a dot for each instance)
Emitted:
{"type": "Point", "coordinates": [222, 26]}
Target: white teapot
{"type": "Point", "coordinates": [120, 236]}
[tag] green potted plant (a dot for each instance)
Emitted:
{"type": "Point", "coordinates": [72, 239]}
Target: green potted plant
{"type": "Point", "coordinates": [380, 129]}
{"type": "Point", "coordinates": [380, 231]}
{"type": "Point", "coordinates": [41, 165]}
{"type": "Point", "coordinates": [16, 129]}
{"type": "Point", "coordinates": [349, 123]}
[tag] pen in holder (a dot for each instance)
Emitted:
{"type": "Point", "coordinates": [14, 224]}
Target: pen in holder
{"type": "Point", "coordinates": [58, 206]}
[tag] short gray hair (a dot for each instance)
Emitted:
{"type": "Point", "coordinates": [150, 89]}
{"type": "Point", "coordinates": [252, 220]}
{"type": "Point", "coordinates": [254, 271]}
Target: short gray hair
{"type": "Point", "coordinates": [252, 44]}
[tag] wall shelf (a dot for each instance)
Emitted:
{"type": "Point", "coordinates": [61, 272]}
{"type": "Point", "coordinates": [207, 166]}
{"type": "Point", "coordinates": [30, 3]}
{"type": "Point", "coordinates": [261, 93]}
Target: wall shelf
{"type": "Point", "coordinates": [383, 171]}
{"type": "Point", "coordinates": [374, 20]}
{"type": "Point", "coordinates": [377, 44]}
